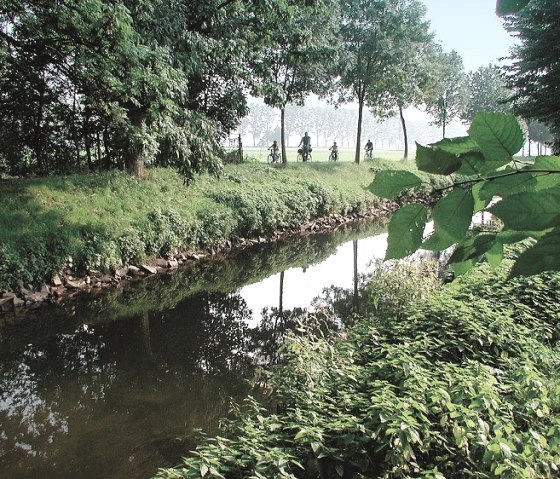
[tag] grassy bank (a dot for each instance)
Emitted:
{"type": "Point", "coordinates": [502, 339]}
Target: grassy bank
{"type": "Point", "coordinates": [459, 382]}
{"type": "Point", "coordinates": [100, 221]}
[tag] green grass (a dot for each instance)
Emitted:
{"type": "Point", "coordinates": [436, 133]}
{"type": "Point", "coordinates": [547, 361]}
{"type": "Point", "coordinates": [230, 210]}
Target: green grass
{"type": "Point", "coordinates": [100, 221]}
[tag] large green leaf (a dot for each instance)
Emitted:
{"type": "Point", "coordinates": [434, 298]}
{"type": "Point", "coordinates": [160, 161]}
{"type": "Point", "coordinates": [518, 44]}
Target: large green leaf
{"type": "Point", "coordinates": [463, 267]}
{"type": "Point", "coordinates": [529, 211]}
{"type": "Point", "coordinates": [507, 185]}
{"type": "Point", "coordinates": [479, 202]}
{"type": "Point", "coordinates": [507, 7]}
{"type": "Point", "coordinates": [473, 248]}
{"type": "Point", "coordinates": [495, 255]}
{"type": "Point", "coordinates": [546, 163]}
{"type": "Point", "coordinates": [389, 183]}
{"type": "Point", "coordinates": [499, 137]}
{"type": "Point", "coordinates": [405, 231]}
{"type": "Point", "coordinates": [542, 256]}
{"type": "Point", "coordinates": [511, 237]}
{"type": "Point", "coordinates": [457, 146]}
{"type": "Point", "coordinates": [467, 152]}
{"type": "Point", "coordinates": [452, 217]}
{"type": "Point", "coordinates": [434, 160]}
{"type": "Point", "coordinates": [543, 180]}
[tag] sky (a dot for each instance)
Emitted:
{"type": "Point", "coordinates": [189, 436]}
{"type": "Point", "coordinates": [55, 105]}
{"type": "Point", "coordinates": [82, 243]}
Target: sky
{"type": "Point", "coordinates": [472, 28]}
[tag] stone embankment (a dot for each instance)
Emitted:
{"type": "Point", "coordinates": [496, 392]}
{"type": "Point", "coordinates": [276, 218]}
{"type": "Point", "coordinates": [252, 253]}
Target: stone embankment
{"type": "Point", "coordinates": [66, 285]}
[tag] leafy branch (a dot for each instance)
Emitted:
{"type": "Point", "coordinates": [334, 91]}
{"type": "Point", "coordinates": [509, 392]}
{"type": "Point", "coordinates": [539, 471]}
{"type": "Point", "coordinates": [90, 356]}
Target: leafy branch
{"type": "Point", "coordinates": [527, 200]}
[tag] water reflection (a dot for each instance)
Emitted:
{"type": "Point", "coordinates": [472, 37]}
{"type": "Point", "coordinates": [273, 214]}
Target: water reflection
{"type": "Point", "coordinates": [115, 385]}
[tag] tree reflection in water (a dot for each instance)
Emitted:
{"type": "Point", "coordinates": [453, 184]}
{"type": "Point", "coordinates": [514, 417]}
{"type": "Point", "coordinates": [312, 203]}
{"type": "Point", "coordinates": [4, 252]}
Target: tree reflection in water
{"type": "Point", "coordinates": [119, 399]}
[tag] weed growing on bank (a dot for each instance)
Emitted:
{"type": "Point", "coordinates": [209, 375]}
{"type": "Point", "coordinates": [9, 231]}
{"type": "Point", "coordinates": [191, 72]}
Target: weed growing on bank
{"type": "Point", "coordinates": [101, 221]}
{"type": "Point", "coordinates": [460, 384]}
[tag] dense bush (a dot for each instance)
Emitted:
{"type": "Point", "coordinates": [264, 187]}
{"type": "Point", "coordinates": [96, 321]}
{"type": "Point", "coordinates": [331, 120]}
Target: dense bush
{"type": "Point", "coordinates": [454, 388]}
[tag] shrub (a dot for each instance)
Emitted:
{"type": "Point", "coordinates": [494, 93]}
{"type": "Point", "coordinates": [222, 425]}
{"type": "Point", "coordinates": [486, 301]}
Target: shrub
{"type": "Point", "coordinates": [457, 389]}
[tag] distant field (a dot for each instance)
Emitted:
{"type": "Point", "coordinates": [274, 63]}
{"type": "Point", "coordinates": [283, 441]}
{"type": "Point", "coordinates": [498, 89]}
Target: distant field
{"type": "Point", "coordinates": [322, 154]}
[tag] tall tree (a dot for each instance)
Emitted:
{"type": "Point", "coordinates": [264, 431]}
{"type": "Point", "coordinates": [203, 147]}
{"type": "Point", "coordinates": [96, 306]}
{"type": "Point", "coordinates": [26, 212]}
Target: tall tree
{"type": "Point", "coordinates": [451, 90]}
{"type": "Point", "coordinates": [298, 49]}
{"type": "Point", "coordinates": [414, 75]}
{"type": "Point", "coordinates": [534, 74]}
{"type": "Point", "coordinates": [487, 91]}
{"type": "Point", "coordinates": [374, 35]}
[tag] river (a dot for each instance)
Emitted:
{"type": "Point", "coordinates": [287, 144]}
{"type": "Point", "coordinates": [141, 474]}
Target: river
{"type": "Point", "coordinates": [116, 384]}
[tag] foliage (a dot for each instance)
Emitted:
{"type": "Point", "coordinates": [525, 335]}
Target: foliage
{"type": "Point", "coordinates": [99, 84]}
{"type": "Point", "coordinates": [487, 92]}
{"type": "Point", "coordinates": [450, 96]}
{"type": "Point", "coordinates": [524, 196]}
{"type": "Point", "coordinates": [374, 37]}
{"type": "Point", "coordinates": [458, 389]}
{"type": "Point", "coordinates": [533, 73]}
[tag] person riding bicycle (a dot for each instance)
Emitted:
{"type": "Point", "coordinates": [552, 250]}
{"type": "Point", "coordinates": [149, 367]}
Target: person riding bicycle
{"type": "Point", "coordinates": [305, 144]}
{"type": "Point", "coordinates": [274, 153]}
{"type": "Point", "coordinates": [369, 148]}
{"type": "Point", "coordinates": [334, 151]}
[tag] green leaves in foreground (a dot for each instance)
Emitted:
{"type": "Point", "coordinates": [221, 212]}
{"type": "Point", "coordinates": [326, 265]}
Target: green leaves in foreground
{"type": "Point", "coordinates": [389, 183]}
{"type": "Point", "coordinates": [406, 229]}
{"type": "Point", "coordinates": [524, 197]}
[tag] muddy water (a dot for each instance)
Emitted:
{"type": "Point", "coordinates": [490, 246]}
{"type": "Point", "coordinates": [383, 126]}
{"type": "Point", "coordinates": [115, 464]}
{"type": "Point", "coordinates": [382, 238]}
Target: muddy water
{"type": "Point", "coordinates": [114, 385]}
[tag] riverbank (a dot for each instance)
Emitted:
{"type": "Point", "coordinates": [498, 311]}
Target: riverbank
{"type": "Point", "coordinates": [72, 233]}
{"type": "Point", "coordinates": [454, 381]}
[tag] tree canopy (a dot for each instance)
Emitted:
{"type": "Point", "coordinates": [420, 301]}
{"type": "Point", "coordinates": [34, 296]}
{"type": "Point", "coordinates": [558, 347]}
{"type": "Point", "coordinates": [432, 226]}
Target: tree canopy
{"type": "Point", "coordinates": [535, 71]}
{"type": "Point", "coordinates": [376, 39]}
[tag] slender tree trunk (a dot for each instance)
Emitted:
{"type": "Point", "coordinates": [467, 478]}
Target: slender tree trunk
{"type": "Point", "coordinates": [359, 133]}
{"type": "Point", "coordinates": [405, 135]}
{"type": "Point", "coordinates": [281, 299]}
{"type": "Point", "coordinates": [283, 134]}
{"type": "Point", "coordinates": [75, 130]}
{"type": "Point", "coordinates": [98, 149]}
{"type": "Point", "coordinates": [529, 147]}
{"type": "Point", "coordinates": [38, 133]}
{"type": "Point", "coordinates": [134, 160]}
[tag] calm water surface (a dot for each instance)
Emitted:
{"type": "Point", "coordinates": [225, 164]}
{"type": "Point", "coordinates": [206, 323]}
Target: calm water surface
{"type": "Point", "coordinates": [114, 385]}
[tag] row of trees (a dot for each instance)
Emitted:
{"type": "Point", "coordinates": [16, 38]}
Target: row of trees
{"type": "Point", "coordinates": [98, 84]}
{"type": "Point", "coordinates": [326, 124]}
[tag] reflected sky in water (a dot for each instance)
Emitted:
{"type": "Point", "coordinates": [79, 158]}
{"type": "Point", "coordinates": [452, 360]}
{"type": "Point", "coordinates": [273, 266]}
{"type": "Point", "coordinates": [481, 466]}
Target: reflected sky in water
{"type": "Point", "coordinates": [303, 284]}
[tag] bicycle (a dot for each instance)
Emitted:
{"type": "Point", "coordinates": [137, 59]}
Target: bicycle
{"type": "Point", "coordinates": [273, 156]}
{"type": "Point", "coordinates": [334, 155]}
{"type": "Point", "coordinates": [369, 154]}
{"type": "Point", "coordinates": [304, 154]}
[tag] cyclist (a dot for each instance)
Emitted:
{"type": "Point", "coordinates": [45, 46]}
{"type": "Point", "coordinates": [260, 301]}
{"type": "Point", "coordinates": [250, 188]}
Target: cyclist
{"type": "Point", "coordinates": [369, 149]}
{"type": "Point", "coordinates": [334, 152]}
{"type": "Point", "coordinates": [274, 154]}
{"type": "Point", "coordinates": [305, 144]}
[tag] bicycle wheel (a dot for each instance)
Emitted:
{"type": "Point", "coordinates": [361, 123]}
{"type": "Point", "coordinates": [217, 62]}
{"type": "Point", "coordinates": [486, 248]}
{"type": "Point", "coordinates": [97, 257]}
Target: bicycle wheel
{"type": "Point", "coordinates": [269, 158]}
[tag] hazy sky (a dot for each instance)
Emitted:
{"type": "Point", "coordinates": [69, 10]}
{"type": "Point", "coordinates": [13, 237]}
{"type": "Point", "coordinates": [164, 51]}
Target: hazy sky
{"type": "Point", "coordinates": [470, 27]}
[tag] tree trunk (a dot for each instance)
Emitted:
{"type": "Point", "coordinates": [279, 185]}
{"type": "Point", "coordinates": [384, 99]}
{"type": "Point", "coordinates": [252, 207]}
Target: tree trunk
{"type": "Point", "coordinates": [98, 149]}
{"type": "Point", "coordinates": [405, 135]}
{"type": "Point", "coordinates": [38, 133]}
{"type": "Point", "coordinates": [281, 299]}
{"type": "Point", "coordinates": [282, 134]}
{"type": "Point", "coordinates": [134, 160]}
{"type": "Point", "coordinates": [359, 133]}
